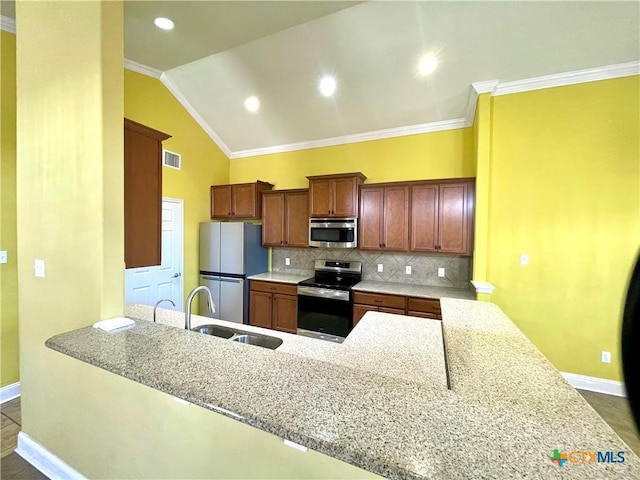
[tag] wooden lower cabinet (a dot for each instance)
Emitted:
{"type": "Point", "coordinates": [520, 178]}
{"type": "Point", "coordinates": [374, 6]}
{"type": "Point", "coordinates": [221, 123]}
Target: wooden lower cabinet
{"type": "Point", "coordinates": [273, 305]}
{"type": "Point", "coordinates": [396, 304]}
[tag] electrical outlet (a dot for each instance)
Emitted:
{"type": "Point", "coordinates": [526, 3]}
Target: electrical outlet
{"type": "Point", "coordinates": [524, 259]}
{"type": "Point", "coordinates": [441, 272]}
{"type": "Point", "coordinates": [287, 261]}
{"type": "Point", "coordinates": [38, 266]}
{"type": "Point", "coordinates": [3, 256]}
{"type": "Point", "coordinates": [606, 357]}
{"type": "Point", "coordinates": [380, 267]}
{"type": "Point", "coordinates": [407, 269]}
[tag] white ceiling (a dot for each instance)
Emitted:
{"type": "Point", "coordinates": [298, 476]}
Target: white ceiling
{"type": "Point", "coordinates": [222, 52]}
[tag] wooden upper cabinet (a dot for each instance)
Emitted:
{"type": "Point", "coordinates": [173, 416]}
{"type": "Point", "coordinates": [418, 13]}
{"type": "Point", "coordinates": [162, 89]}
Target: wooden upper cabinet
{"type": "Point", "coordinates": [285, 218]}
{"type": "Point", "coordinates": [241, 200]}
{"type": "Point", "coordinates": [272, 219]}
{"type": "Point", "coordinates": [334, 196]}
{"type": "Point", "coordinates": [220, 201]}
{"type": "Point", "coordinates": [297, 219]}
{"type": "Point", "coordinates": [142, 194]}
{"type": "Point", "coordinates": [384, 218]}
{"type": "Point", "coordinates": [442, 217]}
{"type": "Point", "coordinates": [371, 218]}
{"type": "Point", "coordinates": [455, 213]}
{"type": "Point", "coordinates": [424, 217]}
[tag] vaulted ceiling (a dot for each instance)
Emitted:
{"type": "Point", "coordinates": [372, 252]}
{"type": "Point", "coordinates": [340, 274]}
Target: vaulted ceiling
{"type": "Point", "coordinates": [220, 53]}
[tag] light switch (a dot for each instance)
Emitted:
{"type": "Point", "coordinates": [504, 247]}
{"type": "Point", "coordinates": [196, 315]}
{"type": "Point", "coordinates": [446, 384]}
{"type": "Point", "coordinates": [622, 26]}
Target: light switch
{"type": "Point", "coordinates": [39, 268]}
{"type": "Point", "coordinates": [287, 261]}
{"type": "Point", "coordinates": [441, 272]}
{"type": "Point", "coordinates": [380, 267]}
{"type": "Point", "coordinates": [407, 269]}
{"type": "Point", "coordinates": [3, 256]}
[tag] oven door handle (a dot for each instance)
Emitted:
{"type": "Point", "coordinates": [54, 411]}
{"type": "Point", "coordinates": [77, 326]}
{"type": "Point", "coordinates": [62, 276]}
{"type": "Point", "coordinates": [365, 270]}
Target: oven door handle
{"type": "Point", "coordinates": [327, 293]}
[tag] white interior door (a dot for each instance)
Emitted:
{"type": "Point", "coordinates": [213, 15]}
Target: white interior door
{"type": "Point", "coordinates": [147, 285]}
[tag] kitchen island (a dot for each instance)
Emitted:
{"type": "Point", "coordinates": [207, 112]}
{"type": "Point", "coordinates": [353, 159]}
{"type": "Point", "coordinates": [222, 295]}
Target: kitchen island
{"type": "Point", "coordinates": [379, 401]}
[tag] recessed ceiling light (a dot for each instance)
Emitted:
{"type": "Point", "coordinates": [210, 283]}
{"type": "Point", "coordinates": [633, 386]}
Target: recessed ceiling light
{"type": "Point", "coordinates": [427, 64]}
{"type": "Point", "coordinates": [328, 86]}
{"type": "Point", "coordinates": [252, 104]}
{"type": "Point", "coordinates": [163, 23]}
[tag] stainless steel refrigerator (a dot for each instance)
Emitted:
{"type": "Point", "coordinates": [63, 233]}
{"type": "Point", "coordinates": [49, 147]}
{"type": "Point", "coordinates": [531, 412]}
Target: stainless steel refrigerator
{"type": "Point", "coordinates": [229, 252]}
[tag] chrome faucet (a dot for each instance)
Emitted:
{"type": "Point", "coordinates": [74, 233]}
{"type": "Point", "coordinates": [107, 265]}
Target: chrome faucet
{"type": "Point", "coordinates": [187, 304]}
{"type": "Point", "coordinates": [155, 307]}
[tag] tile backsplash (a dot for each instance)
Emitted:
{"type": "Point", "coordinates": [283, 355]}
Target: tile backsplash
{"type": "Point", "coordinates": [424, 267]}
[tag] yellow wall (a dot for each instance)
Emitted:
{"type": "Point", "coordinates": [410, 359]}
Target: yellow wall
{"type": "Point", "coordinates": [147, 101]}
{"type": "Point", "coordinates": [566, 190]}
{"type": "Point", "coordinates": [444, 154]}
{"type": "Point", "coordinates": [70, 197]}
{"type": "Point", "coordinates": [8, 241]}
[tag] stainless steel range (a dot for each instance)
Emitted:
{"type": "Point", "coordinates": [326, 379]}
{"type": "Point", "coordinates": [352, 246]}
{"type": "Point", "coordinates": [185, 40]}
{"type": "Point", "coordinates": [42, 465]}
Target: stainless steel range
{"type": "Point", "coordinates": [325, 301]}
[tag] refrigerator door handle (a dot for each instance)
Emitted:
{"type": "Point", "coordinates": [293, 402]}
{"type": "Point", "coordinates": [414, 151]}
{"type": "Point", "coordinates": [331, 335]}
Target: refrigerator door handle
{"type": "Point", "coordinates": [209, 277]}
{"type": "Point", "coordinates": [230, 280]}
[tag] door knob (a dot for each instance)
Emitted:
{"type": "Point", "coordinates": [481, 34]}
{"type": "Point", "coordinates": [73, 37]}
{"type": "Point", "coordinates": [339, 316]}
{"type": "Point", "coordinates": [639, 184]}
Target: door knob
{"type": "Point", "coordinates": [176, 275]}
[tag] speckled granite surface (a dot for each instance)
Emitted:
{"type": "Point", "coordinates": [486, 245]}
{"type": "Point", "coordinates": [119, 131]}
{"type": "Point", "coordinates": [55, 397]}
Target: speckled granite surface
{"type": "Point", "coordinates": [422, 291]}
{"type": "Point", "coordinates": [282, 277]}
{"type": "Point", "coordinates": [507, 411]}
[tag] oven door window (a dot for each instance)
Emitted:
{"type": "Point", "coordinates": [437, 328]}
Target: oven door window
{"type": "Point", "coordinates": [324, 315]}
{"type": "Point", "coordinates": [331, 234]}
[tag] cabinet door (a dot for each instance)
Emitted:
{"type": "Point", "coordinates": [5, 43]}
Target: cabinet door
{"type": "Point", "coordinates": [371, 218]}
{"type": "Point", "coordinates": [433, 316]}
{"type": "Point", "coordinates": [396, 219]}
{"type": "Point", "coordinates": [142, 195]}
{"type": "Point", "coordinates": [273, 205]}
{"type": "Point", "coordinates": [454, 218]}
{"type": "Point", "coordinates": [424, 218]}
{"type": "Point", "coordinates": [345, 197]}
{"type": "Point", "coordinates": [285, 313]}
{"type": "Point", "coordinates": [243, 201]}
{"type": "Point", "coordinates": [221, 201]}
{"type": "Point", "coordinates": [360, 310]}
{"type": "Point", "coordinates": [260, 309]}
{"type": "Point", "coordinates": [395, 311]}
{"type": "Point", "coordinates": [320, 198]}
{"type": "Point", "coordinates": [296, 220]}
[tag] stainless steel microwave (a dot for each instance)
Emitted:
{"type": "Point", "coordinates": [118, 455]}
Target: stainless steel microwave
{"type": "Point", "coordinates": [333, 232]}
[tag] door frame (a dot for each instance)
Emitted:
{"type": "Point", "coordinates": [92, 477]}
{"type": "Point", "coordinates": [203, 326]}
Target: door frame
{"type": "Point", "coordinates": [180, 203]}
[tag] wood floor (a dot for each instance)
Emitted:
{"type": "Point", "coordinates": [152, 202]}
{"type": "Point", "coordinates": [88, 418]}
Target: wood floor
{"type": "Point", "coordinates": [614, 410]}
{"type": "Point", "coordinates": [12, 465]}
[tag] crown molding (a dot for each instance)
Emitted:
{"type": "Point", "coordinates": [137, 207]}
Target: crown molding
{"type": "Point", "coordinates": [568, 78]}
{"type": "Point", "coordinates": [141, 68]}
{"type": "Point", "coordinates": [7, 24]}
{"type": "Point", "coordinates": [175, 91]}
{"type": "Point", "coordinates": [477, 88]}
{"type": "Point", "coordinates": [355, 138]}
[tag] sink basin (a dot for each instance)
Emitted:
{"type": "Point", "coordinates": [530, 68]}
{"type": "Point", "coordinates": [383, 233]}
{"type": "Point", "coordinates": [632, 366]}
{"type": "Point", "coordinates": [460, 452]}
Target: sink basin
{"type": "Point", "coordinates": [258, 340]}
{"type": "Point", "coordinates": [215, 330]}
{"type": "Point", "coordinates": [240, 336]}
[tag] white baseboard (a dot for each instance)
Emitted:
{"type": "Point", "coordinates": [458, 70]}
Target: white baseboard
{"type": "Point", "coordinates": [594, 384]}
{"type": "Point", "coordinates": [44, 460]}
{"type": "Point", "coordinates": [9, 392]}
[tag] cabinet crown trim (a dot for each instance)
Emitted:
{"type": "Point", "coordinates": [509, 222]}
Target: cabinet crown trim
{"type": "Point", "coordinates": [358, 175]}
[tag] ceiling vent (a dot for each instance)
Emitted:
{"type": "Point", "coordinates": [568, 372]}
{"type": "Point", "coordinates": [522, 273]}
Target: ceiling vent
{"type": "Point", "coordinates": [171, 159]}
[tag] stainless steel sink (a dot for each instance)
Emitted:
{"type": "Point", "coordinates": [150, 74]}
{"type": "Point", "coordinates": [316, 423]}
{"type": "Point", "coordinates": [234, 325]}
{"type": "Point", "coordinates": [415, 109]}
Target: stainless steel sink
{"type": "Point", "coordinates": [258, 340]}
{"type": "Point", "coordinates": [215, 330]}
{"type": "Point", "coordinates": [240, 336]}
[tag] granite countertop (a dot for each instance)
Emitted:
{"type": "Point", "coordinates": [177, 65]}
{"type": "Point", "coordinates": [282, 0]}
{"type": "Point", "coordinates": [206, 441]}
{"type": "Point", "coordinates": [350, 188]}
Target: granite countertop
{"type": "Point", "coordinates": [411, 290]}
{"type": "Point", "coordinates": [507, 410]}
{"type": "Point", "coordinates": [282, 277]}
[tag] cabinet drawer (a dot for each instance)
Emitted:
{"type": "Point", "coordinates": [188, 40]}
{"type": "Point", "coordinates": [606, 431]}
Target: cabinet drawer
{"type": "Point", "coordinates": [391, 301]}
{"type": "Point", "coordinates": [274, 287]}
{"type": "Point", "coordinates": [434, 316]}
{"type": "Point", "coordinates": [426, 305]}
